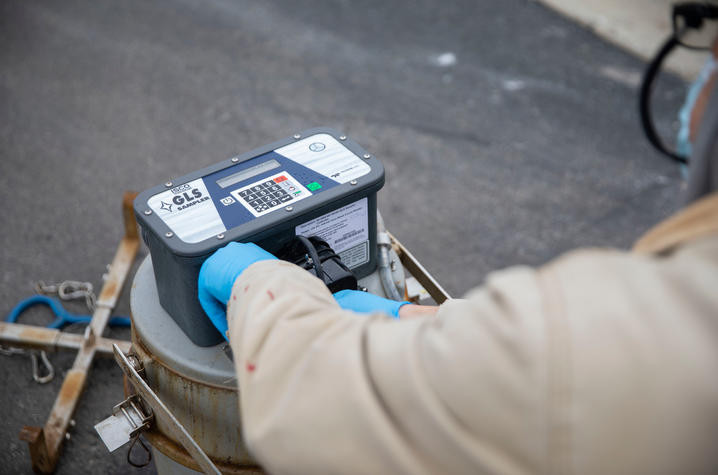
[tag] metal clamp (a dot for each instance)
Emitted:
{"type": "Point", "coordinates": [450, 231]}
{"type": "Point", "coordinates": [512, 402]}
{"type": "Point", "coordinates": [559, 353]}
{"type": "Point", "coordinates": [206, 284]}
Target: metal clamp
{"type": "Point", "coordinates": [128, 419]}
{"type": "Point", "coordinates": [131, 408]}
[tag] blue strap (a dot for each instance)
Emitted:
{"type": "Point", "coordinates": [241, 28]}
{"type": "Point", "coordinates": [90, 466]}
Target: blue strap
{"type": "Point", "coordinates": [62, 316]}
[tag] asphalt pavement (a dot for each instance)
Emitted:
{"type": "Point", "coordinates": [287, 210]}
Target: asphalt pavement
{"type": "Point", "coordinates": [508, 133]}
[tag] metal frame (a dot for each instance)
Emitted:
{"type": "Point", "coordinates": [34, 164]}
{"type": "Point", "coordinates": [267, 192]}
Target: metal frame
{"type": "Point", "coordinates": [436, 291]}
{"type": "Point", "coordinates": [46, 442]}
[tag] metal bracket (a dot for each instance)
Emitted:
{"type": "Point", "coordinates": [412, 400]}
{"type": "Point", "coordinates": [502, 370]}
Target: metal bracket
{"type": "Point", "coordinates": [128, 419]}
{"type": "Point", "coordinates": [410, 263]}
{"type": "Point", "coordinates": [162, 412]}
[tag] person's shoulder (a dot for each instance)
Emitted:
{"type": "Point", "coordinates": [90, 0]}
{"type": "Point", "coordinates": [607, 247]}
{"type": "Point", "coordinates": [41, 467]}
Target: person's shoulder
{"type": "Point", "coordinates": [592, 256]}
{"type": "Point", "coordinates": [609, 285]}
{"type": "Point", "coordinates": [576, 263]}
{"type": "Point", "coordinates": [689, 257]}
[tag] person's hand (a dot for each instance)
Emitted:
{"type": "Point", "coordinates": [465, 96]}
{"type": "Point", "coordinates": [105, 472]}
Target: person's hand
{"type": "Point", "coordinates": [364, 302]}
{"type": "Point", "coordinates": [217, 276]}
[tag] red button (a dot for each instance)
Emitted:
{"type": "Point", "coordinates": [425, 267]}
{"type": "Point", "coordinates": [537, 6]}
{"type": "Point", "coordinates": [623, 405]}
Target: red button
{"type": "Point", "coordinates": [280, 179]}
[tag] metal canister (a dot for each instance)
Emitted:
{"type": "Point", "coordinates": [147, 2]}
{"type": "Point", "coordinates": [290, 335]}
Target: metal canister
{"type": "Point", "coordinates": [197, 384]}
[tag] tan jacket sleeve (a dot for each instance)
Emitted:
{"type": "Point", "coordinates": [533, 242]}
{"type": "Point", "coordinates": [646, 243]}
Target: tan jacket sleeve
{"type": "Point", "coordinates": [328, 391]}
{"type": "Point", "coordinates": [601, 362]}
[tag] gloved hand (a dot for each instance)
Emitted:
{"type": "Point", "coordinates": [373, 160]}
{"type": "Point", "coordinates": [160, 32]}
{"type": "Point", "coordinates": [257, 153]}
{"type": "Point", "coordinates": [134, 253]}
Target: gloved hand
{"type": "Point", "coordinates": [364, 302]}
{"type": "Point", "coordinates": [217, 276]}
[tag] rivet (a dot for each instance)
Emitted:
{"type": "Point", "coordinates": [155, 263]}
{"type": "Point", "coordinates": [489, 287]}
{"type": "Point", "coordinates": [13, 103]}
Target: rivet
{"type": "Point", "coordinates": [168, 184]}
{"type": "Point", "coordinates": [169, 234]}
{"type": "Point", "coordinates": [353, 182]}
{"type": "Point", "coordinates": [67, 436]}
{"type": "Point", "coordinates": [135, 362]}
{"type": "Point", "coordinates": [367, 156]}
{"type": "Point", "coordinates": [73, 423]}
{"type": "Point", "coordinates": [342, 137]}
{"type": "Point", "coordinates": [148, 212]}
{"type": "Point", "coordinates": [289, 208]}
{"type": "Point", "coordinates": [297, 136]}
{"type": "Point", "coordinates": [220, 236]}
{"type": "Point", "coordinates": [235, 159]}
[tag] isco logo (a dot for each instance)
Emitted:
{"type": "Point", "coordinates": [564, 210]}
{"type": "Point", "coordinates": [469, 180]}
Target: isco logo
{"type": "Point", "coordinates": [179, 189]}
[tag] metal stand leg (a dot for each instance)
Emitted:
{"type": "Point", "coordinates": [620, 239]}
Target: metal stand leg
{"type": "Point", "coordinates": [46, 442]}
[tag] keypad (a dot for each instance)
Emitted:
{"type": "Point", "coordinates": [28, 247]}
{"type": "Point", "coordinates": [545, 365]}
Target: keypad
{"type": "Point", "coordinates": [267, 195]}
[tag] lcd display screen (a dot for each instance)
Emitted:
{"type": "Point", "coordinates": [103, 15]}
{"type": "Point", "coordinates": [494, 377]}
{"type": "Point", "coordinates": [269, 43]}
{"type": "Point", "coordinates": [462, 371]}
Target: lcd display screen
{"type": "Point", "coordinates": [248, 173]}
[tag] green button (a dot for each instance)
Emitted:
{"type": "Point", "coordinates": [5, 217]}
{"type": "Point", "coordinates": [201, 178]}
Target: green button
{"type": "Point", "coordinates": [313, 186]}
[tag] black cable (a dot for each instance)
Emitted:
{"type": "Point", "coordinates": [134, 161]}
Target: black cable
{"type": "Point", "coordinates": [693, 14]}
{"type": "Point", "coordinates": [316, 256]}
{"type": "Point", "coordinates": [129, 452]}
{"type": "Point", "coordinates": [316, 262]}
{"type": "Point", "coordinates": [644, 103]}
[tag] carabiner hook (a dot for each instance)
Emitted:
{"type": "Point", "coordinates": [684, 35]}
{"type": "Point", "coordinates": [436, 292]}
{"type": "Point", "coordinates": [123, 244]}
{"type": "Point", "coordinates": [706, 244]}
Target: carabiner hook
{"type": "Point", "coordinates": [50, 371]}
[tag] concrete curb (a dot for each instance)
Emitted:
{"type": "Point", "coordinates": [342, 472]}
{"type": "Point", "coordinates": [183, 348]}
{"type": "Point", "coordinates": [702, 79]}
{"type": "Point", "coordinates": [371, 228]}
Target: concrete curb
{"type": "Point", "coordinates": [638, 26]}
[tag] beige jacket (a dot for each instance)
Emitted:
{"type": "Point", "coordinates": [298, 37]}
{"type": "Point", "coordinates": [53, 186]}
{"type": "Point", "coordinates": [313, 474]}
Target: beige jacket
{"type": "Point", "coordinates": [601, 362]}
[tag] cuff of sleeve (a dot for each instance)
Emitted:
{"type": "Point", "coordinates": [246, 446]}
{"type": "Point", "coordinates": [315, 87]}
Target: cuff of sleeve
{"type": "Point", "coordinates": [395, 312]}
{"type": "Point", "coordinates": [262, 272]}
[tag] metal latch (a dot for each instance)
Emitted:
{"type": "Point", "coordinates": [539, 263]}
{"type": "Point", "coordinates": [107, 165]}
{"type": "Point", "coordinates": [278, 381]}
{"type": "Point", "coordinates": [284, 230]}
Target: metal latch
{"type": "Point", "coordinates": [128, 419]}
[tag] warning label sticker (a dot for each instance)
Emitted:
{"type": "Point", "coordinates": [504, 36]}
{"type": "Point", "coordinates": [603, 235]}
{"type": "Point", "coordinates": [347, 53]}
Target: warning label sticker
{"type": "Point", "coordinates": [355, 256]}
{"type": "Point", "coordinates": [188, 211]}
{"type": "Point", "coordinates": [346, 230]}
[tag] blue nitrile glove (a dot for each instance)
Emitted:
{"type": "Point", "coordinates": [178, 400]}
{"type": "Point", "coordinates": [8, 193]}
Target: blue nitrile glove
{"type": "Point", "coordinates": [217, 276]}
{"type": "Point", "coordinates": [364, 302]}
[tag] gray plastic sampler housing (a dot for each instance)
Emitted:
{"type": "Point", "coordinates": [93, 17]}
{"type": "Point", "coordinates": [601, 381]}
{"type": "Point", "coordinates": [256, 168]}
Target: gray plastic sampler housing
{"type": "Point", "coordinates": [321, 183]}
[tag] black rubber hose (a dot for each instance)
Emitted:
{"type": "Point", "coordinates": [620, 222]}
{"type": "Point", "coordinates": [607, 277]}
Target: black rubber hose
{"type": "Point", "coordinates": [644, 104]}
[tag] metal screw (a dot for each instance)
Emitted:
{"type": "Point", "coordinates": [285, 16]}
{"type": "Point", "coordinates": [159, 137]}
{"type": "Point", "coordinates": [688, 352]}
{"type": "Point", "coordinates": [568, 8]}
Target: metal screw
{"type": "Point", "coordinates": [136, 363]}
{"type": "Point", "coordinates": [353, 182]}
{"type": "Point", "coordinates": [168, 184]}
{"type": "Point", "coordinates": [289, 208]}
{"type": "Point", "coordinates": [220, 236]}
{"type": "Point", "coordinates": [148, 212]}
{"type": "Point", "coordinates": [73, 423]}
{"type": "Point", "coordinates": [235, 159]}
{"type": "Point", "coordinates": [342, 137]}
{"type": "Point", "coordinates": [367, 156]}
{"type": "Point", "coordinates": [297, 136]}
{"type": "Point", "coordinates": [169, 234]}
{"type": "Point", "coordinates": [67, 436]}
